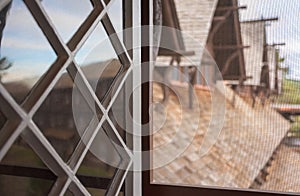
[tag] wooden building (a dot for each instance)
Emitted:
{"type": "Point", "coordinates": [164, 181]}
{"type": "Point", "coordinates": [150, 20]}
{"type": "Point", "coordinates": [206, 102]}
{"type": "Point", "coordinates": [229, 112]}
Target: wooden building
{"type": "Point", "coordinates": [62, 125]}
{"type": "Point", "coordinates": [209, 38]}
{"type": "Point", "coordinates": [276, 73]}
{"type": "Point", "coordinates": [261, 59]}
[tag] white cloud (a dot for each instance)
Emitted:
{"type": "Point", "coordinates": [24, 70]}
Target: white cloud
{"type": "Point", "coordinates": [28, 71]}
{"type": "Point", "coordinates": [21, 43]}
{"type": "Point", "coordinates": [66, 23]}
{"type": "Point", "coordinates": [20, 22]}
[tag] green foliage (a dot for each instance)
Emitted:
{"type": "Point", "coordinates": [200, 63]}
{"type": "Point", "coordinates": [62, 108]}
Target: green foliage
{"type": "Point", "coordinates": [291, 92]}
{"type": "Point", "coordinates": [295, 127]}
{"type": "Point", "coordinates": [94, 171]}
{"type": "Point", "coordinates": [22, 155]}
{"type": "Point", "coordinates": [4, 64]}
{"type": "Point", "coordinates": [39, 186]}
{"type": "Point", "coordinates": [291, 95]}
{"type": "Point", "coordinates": [281, 60]}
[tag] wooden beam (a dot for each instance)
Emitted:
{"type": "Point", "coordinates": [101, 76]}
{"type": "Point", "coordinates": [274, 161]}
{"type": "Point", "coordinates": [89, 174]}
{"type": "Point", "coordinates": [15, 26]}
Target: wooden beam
{"type": "Point", "coordinates": [238, 37]}
{"type": "Point", "coordinates": [231, 8]}
{"type": "Point", "coordinates": [235, 77]}
{"type": "Point", "coordinates": [261, 20]}
{"type": "Point", "coordinates": [276, 44]}
{"type": "Point", "coordinates": [216, 26]}
{"type": "Point", "coordinates": [4, 3]}
{"type": "Point", "coordinates": [176, 53]}
{"type": "Point", "coordinates": [230, 47]}
{"type": "Point", "coordinates": [228, 61]}
{"type": "Point", "coordinates": [219, 18]}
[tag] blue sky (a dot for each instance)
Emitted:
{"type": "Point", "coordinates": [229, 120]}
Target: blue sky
{"type": "Point", "coordinates": [26, 47]}
{"type": "Point", "coordinates": [286, 29]}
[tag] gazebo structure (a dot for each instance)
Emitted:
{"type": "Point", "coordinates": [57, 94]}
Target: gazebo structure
{"type": "Point", "coordinates": [198, 44]}
{"type": "Point", "coordinates": [261, 60]}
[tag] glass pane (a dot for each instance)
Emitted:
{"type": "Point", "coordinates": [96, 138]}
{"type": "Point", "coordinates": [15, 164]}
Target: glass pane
{"type": "Point", "coordinates": [3, 119]}
{"type": "Point", "coordinates": [17, 163]}
{"type": "Point", "coordinates": [122, 108]}
{"type": "Point", "coordinates": [107, 1]}
{"type": "Point", "coordinates": [93, 191]}
{"type": "Point", "coordinates": [21, 154]}
{"type": "Point", "coordinates": [99, 164]}
{"type": "Point", "coordinates": [100, 192]}
{"type": "Point", "coordinates": [14, 185]}
{"type": "Point", "coordinates": [68, 193]}
{"type": "Point", "coordinates": [68, 15]}
{"type": "Point", "coordinates": [97, 48]}
{"type": "Point", "coordinates": [93, 166]}
{"type": "Point", "coordinates": [231, 118]}
{"type": "Point", "coordinates": [115, 10]}
{"type": "Point", "coordinates": [100, 63]}
{"type": "Point", "coordinates": [101, 76]}
{"type": "Point", "coordinates": [64, 116]}
{"type": "Point", "coordinates": [25, 52]}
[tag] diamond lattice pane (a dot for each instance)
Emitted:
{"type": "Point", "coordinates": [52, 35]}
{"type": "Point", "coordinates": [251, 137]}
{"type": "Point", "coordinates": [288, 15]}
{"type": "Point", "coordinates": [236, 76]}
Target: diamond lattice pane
{"type": "Point", "coordinates": [25, 52]}
{"type": "Point", "coordinates": [21, 154]}
{"type": "Point", "coordinates": [100, 164]}
{"type": "Point", "coordinates": [17, 163]}
{"type": "Point", "coordinates": [115, 13]}
{"type": "Point", "coordinates": [67, 15]}
{"type": "Point", "coordinates": [107, 1]}
{"type": "Point", "coordinates": [121, 109]}
{"type": "Point", "coordinates": [64, 116]}
{"type": "Point", "coordinates": [68, 193]}
{"type": "Point", "coordinates": [92, 164]}
{"type": "Point", "coordinates": [16, 185]}
{"type": "Point", "coordinates": [100, 64]}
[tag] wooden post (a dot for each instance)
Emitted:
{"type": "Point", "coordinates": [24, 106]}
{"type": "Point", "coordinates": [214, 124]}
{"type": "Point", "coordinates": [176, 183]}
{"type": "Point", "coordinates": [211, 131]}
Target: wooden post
{"type": "Point", "coordinates": [192, 73]}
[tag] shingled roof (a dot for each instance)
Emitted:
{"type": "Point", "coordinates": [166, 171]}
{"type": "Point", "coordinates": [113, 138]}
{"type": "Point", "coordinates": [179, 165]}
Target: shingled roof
{"type": "Point", "coordinates": [247, 141]}
{"type": "Point", "coordinates": [195, 19]}
{"type": "Point", "coordinates": [284, 170]}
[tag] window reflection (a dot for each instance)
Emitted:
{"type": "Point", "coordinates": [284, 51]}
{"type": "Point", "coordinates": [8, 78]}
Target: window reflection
{"type": "Point", "coordinates": [25, 57]}
{"type": "Point", "coordinates": [67, 15]}
{"type": "Point", "coordinates": [25, 52]}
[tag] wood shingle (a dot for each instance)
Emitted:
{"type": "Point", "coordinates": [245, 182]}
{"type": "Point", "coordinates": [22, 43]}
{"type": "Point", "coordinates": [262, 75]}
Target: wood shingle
{"type": "Point", "coordinates": [246, 142]}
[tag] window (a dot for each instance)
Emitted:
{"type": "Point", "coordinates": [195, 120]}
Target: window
{"type": "Point", "coordinates": [66, 63]}
{"type": "Point", "coordinates": [225, 133]}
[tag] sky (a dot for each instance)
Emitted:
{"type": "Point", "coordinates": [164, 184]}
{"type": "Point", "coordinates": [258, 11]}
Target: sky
{"type": "Point", "coordinates": [26, 47]}
{"type": "Point", "coordinates": [286, 29]}
{"type": "Point", "coordinates": [24, 44]}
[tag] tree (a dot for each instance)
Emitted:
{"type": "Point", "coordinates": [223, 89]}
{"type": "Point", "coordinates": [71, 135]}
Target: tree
{"type": "Point", "coordinates": [4, 65]}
